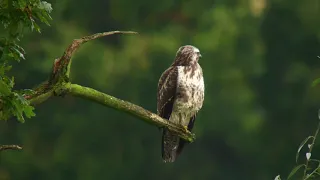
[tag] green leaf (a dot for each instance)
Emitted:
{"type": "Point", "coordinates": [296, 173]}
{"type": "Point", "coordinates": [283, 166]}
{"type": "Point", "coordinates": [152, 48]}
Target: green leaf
{"type": "Point", "coordinates": [35, 26]}
{"type": "Point", "coordinates": [28, 111]}
{"type": "Point", "coordinates": [20, 98]}
{"type": "Point", "coordinates": [45, 6]}
{"type": "Point", "coordinates": [17, 109]}
{"type": "Point", "coordinates": [11, 82]}
{"type": "Point", "coordinates": [315, 82]}
{"type": "Point", "coordinates": [22, 3]}
{"type": "Point", "coordinates": [42, 18]}
{"type": "Point", "coordinates": [2, 69]}
{"type": "Point", "coordinates": [18, 52]}
{"type": "Point", "coordinates": [294, 170]}
{"type": "Point", "coordinates": [5, 90]}
{"type": "Point", "coordinates": [301, 146]}
{"type": "Point", "coordinates": [20, 49]}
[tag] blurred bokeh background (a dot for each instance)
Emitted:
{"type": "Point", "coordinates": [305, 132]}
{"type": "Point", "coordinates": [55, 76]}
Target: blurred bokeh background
{"type": "Point", "coordinates": [259, 59]}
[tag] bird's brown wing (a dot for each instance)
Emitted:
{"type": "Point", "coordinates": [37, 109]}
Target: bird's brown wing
{"type": "Point", "coordinates": [167, 88]}
{"type": "Point", "coordinates": [166, 92]}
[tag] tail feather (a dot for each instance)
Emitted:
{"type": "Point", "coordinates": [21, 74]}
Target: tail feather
{"type": "Point", "coordinates": [170, 146]}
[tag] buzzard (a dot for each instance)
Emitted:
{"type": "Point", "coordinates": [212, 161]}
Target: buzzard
{"type": "Point", "coordinates": [179, 98]}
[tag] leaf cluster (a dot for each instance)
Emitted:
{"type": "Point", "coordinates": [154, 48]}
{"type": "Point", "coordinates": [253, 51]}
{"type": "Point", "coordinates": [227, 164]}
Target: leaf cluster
{"type": "Point", "coordinates": [16, 16]}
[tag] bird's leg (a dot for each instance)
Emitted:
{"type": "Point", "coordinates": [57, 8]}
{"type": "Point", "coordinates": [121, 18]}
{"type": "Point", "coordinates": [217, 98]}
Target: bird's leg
{"type": "Point", "coordinates": [182, 123]}
{"type": "Point", "coordinates": [185, 128]}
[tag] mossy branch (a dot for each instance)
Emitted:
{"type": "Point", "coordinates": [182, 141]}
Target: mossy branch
{"type": "Point", "coordinates": [132, 109]}
{"type": "Point", "coordinates": [59, 85]}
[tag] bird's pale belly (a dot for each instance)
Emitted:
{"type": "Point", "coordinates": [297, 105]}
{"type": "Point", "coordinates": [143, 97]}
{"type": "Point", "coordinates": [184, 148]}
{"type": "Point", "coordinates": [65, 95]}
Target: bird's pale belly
{"type": "Point", "coordinates": [190, 91]}
{"type": "Point", "coordinates": [189, 99]}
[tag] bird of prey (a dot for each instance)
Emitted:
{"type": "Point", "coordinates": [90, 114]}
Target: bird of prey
{"type": "Point", "coordinates": [180, 96]}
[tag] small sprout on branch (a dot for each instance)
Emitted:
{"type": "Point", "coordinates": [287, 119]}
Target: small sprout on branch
{"type": "Point", "coordinates": [301, 146]}
{"type": "Point", "coordinates": [308, 155]}
{"type": "Point", "coordinates": [277, 178]}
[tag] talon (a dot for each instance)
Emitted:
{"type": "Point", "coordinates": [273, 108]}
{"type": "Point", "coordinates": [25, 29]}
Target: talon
{"type": "Point", "coordinates": [185, 128]}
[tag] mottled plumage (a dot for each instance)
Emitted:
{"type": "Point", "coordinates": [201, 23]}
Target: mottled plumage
{"type": "Point", "coordinates": [179, 98]}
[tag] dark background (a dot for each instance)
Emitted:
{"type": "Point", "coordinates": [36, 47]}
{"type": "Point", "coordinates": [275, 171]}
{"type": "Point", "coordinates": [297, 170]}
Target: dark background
{"type": "Point", "coordinates": [259, 59]}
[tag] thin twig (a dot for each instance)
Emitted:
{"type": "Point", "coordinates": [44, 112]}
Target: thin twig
{"type": "Point", "coordinates": [10, 147]}
{"type": "Point", "coordinates": [61, 64]}
{"type": "Point", "coordinates": [305, 177]}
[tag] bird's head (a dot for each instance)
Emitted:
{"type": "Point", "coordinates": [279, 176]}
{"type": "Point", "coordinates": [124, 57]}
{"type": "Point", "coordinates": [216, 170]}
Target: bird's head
{"type": "Point", "coordinates": [187, 55]}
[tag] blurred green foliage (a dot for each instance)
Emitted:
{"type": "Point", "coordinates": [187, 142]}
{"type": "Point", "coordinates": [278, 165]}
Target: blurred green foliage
{"type": "Point", "coordinates": [259, 59]}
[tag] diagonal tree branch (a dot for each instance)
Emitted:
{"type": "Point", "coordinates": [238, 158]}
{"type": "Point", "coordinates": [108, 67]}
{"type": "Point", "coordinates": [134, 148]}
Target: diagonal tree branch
{"type": "Point", "coordinates": [59, 85]}
{"type": "Point", "coordinates": [132, 109]}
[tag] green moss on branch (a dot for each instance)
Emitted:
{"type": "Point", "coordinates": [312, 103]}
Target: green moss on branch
{"type": "Point", "coordinates": [124, 106]}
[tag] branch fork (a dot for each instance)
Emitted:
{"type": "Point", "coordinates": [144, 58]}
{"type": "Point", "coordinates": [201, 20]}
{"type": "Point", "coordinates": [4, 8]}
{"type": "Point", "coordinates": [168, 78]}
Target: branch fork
{"type": "Point", "coordinates": [59, 84]}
